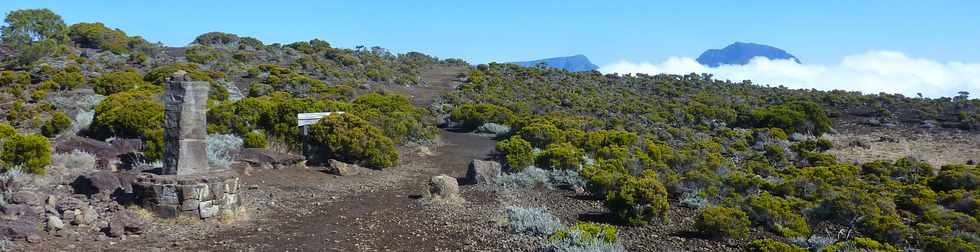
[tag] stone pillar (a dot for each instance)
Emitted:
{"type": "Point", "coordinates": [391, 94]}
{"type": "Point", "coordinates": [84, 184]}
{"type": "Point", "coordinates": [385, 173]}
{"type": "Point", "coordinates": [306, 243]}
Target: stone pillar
{"type": "Point", "coordinates": [185, 126]}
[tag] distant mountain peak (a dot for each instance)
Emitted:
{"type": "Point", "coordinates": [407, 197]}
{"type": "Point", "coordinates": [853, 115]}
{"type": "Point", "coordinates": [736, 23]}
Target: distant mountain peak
{"type": "Point", "coordinates": [740, 53]}
{"type": "Point", "coordinates": [574, 63]}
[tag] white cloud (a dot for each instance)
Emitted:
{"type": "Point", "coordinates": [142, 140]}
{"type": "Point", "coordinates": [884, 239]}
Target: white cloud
{"type": "Point", "coordinates": [870, 72]}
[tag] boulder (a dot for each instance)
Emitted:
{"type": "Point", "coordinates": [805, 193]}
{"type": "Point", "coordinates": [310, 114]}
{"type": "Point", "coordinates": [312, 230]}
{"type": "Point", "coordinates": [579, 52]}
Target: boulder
{"type": "Point", "coordinates": [17, 229]}
{"type": "Point", "coordinates": [796, 137]}
{"type": "Point", "coordinates": [264, 158]}
{"type": "Point", "coordinates": [443, 188]}
{"type": "Point", "coordinates": [342, 169]}
{"type": "Point", "coordinates": [16, 210]}
{"type": "Point", "coordinates": [100, 184]}
{"type": "Point", "coordinates": [85, 216]}
{"type": "Point", "coordinates": [126, 222]}
{"type": "Point", "coordinates": [482, 171]}
{"type": "Point", "coordinates": [54, 223]}
{"type": "Point", "coordinates": [928, 124]}
{"type": "Point", "coordinates": [25, 197]}
{"type": "Point", "coordinates": [493, 128]}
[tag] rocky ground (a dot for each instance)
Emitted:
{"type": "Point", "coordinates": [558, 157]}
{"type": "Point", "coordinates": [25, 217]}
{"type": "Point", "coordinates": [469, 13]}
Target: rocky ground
{"type": "Point", "coordinates": [307, 209]}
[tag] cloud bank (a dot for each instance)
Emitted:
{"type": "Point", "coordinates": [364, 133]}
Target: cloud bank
{"type": "Point", "coordinates": [870, 72]}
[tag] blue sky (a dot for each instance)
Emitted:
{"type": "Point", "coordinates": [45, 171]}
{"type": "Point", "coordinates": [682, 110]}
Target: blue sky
{"type": "Point", "coordinates": [606, 31]}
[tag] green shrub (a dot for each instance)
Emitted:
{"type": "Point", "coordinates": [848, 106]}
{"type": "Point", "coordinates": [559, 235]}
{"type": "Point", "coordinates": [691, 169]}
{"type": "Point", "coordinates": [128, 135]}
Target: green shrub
{"type": "Point", "coordinates": [770, 245]}
{"type": "Point", "coordinates": [33, 152]}
{"type": "Point", "coordinates": [255, 139]}
{"type": "Point", "coordinates": [58, 123]}
{"type": "Point", "coordinates": [395, 116]}
{"type": "Point", "coordinates": [349, 138]}
{"type": "Point", "coordinates": [98, 36]}
{"type": "Point", "coordinates": [638, 200]}
{"type": "Point", "coordinates": [777, 214]}
{"type": "Point", "coordinates": [860, 244]}
{"type": "Point", "coordinates": [595, 140]}
{"type": "Point", "coordinates": [795, 116]}
{"type": "Point", "coordinates": [115, 82]}
{"type": "Point", "coordinates": [882, 227]}
{"type": "Point", "coordinates": [916, 198]}
{"type": "Point", "coordinates": [563, 156]}
{"type": "Point", "coordinates": [602, 232]}
{"type": "Point", "coordinates": [216, 39]}
{"type": "Point", "coordinates": [723, 221]}
{"type": "Point", "coordinates": [954, 244]}
{"type": "Point", "coordinates": [202, 54]}
{"type": "Point", "coordinates": [957, 177]}
{"type": "Point", "coordinates": [541, 134]}
{"type": "Point", "coordinates": [69, 78]}
{"type": "Point", "coordinates": [14, 78]}
{"type": "Point", "coordinates": [128, 114]}
{"type": "Point", "coordinates": [518, 154]}
{"type": "Point", "coordinates": [7, 131]}
{"type": "Point", "coordinates": [472, 116]}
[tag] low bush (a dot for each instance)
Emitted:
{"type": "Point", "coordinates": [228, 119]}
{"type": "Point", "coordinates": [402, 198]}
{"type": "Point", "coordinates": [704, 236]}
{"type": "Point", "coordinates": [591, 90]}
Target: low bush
{"type": "Point", "coordinates": [603, 175]}
{"type": "Point", "coordinates": [533, 177]}
{"type": "Point", "coordinates": [770, 245]}
{"type": "Point", "coordinates": [471, 116]}
{"type": "Point", "coordinates": [777, 214]}
{"type": "Point", "coordinates": [128, 114]}
{"type": "Point", "coordinates": [221, 148]}
{"type": "Point", "coordinates": [957, 177]}
{"type": "Point", "coordinates": [541, 134]}
{"type": "Point", "coordinates": [255, 139]}
{"type": "Point", "coordinates": [59, 122]}
{"type": "Point", "coordinates": [517, 153]}
{"type": "Point", "coordinates": [562, 156]}
{"type": "Point", "coordinates": [860, 244]}
{"type": "Point", "coordinates": [723, 221]}
{"type": "Point", "coordinates": [115, 82]}
{"type": "Point", "coordinates": [585, 237]}
{"type": "Point", "coordinates": [32, 152]}
{"type": "Point", "coordinates": [536, 221]}
{"type": "Point", "coordinates": [6, 131]}
{"type": "Point", "coordinates": [349, 138]}
{"type": "Point", "coordinates": [638, 200]}
{"type": "Point", "coordinates": [75, 160]}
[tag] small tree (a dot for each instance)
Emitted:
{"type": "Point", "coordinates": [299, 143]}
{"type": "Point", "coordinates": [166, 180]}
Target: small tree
{"type": "Point", "coordinates": [33, 33]}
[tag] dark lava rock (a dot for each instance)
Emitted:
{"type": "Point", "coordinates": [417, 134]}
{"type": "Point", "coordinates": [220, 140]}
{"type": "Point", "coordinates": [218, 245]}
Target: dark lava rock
{"type": "Point", "coordinates": [256, 157]}
{"type": "Point", "coordinates": [482, 171]}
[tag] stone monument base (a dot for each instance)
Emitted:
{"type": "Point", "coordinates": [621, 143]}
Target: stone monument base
{"type": "Point", "coordinates": [204, 195]}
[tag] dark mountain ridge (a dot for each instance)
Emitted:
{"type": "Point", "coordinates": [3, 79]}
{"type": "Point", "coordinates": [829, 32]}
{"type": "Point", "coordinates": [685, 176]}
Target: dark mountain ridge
{"type": "Point", "coordinates": [740, 53]}
{"type": "Point", "coordinates": [575, 63]}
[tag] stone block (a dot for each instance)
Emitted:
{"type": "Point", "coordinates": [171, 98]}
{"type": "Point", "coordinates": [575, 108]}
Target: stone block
{"type": "Point", "coordinates": [208, 209]}
{"type": "Point", "coordinates": [194, 192]}
{"type": "Point", "coordinates": [230, 200]}
{"type": "Point", "coordinates": [189, 205]}
{"type": "Point", "coordinates": [166, 211]}
{"type": "Point", "coordinates": [166, 194]}
{"type": "Point", "coordinates": [217, 190]}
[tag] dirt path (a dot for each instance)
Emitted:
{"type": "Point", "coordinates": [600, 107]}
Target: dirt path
{"type": "Point", "coordinates": [382, 213]}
